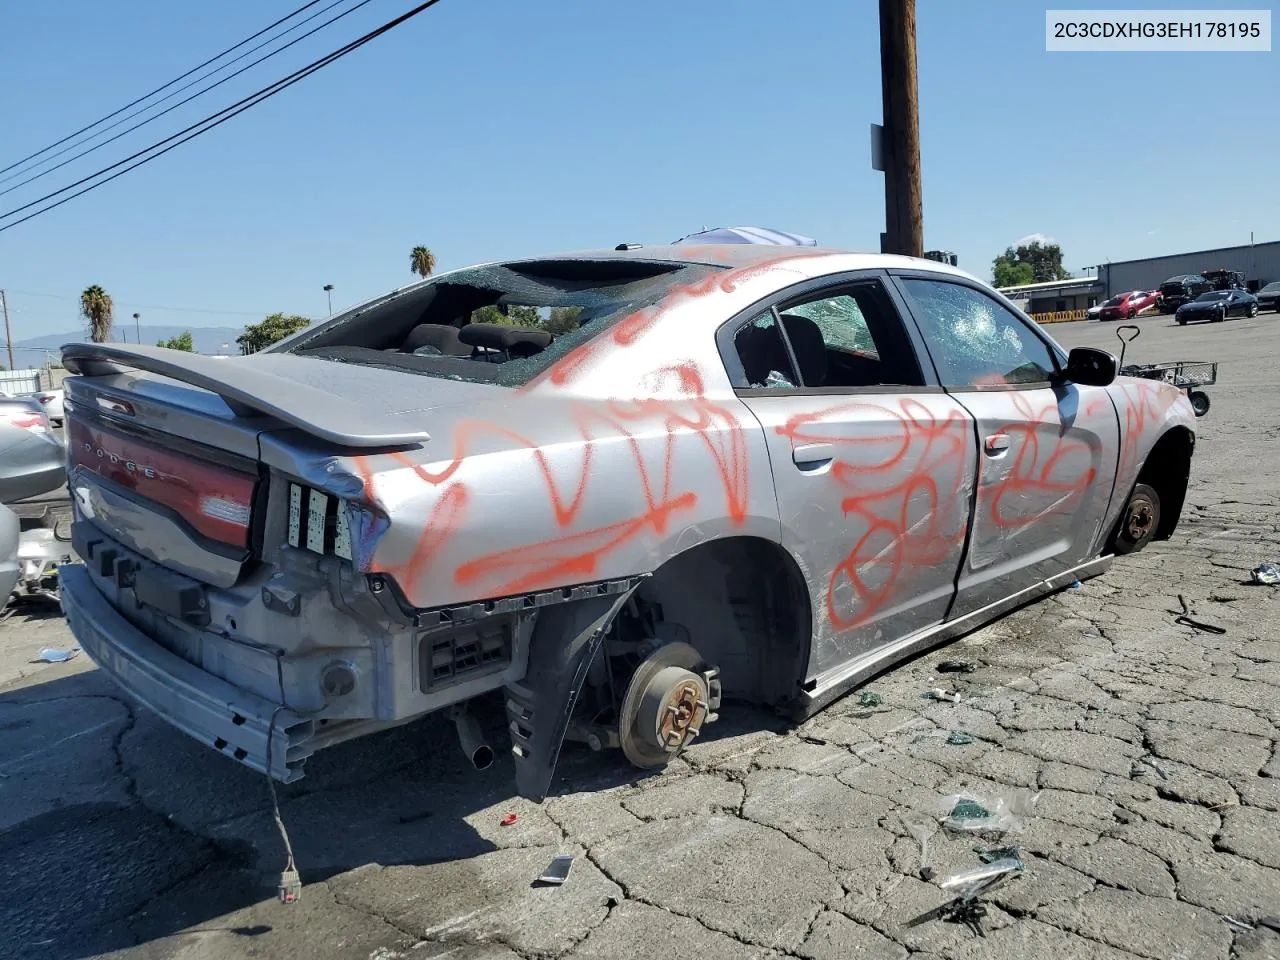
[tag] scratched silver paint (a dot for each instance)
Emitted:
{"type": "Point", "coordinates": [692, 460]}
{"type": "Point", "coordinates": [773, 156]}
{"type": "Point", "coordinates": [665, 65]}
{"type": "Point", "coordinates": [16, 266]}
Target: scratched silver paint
{"type": "Point", "coordinates": [643, 452]}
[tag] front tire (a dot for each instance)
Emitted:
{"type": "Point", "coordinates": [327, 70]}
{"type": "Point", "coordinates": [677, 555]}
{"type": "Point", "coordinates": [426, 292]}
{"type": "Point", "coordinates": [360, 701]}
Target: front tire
{"type": "Point", "coordinates": [1139, 520]}
{"type": "Point", "coordinates": [1253, 310]}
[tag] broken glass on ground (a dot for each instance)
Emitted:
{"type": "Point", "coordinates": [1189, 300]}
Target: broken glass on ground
{"type": "Point", "coordinates": [1004, 812]}
{"type": "Point", "coordinates": [870, 698]}
{"type": "Point", "coordinates": [54, 655]}
{"type": "Point", "coordinates": [1266, 573]}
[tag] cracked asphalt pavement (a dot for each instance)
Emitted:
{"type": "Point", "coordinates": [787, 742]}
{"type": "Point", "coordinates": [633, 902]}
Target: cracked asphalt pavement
{"type": "Point", "coordinates": [1151, 747]}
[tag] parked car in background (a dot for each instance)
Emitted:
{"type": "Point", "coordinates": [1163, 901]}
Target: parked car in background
{"type": "Point", "coordinates": [1269, 297]}
{"type": "Point", "coordinates": [51, 400]}
{"type": "Point", "coordinates": [1223, 279]}
{"type": "Point", "coordinates": [1176, 291]}
{"type": "Point", "coordinates": [1218, 305]}
{"type": "Point", "coordinates": [32, 458]}
{"type": "Point", "coordinates": [754, 472]}
{"type": "Point", "coordinates": [1126, 306]}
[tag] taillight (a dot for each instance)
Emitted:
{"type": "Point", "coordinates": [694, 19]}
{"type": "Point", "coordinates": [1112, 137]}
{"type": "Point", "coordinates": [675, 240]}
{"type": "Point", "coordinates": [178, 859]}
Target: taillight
{"type": "Point", "coordinates": [27, 419]}
{"type": "Point", "coordinates": [45, 399]}
{"type": "Point", "coordinates": [215, 500]}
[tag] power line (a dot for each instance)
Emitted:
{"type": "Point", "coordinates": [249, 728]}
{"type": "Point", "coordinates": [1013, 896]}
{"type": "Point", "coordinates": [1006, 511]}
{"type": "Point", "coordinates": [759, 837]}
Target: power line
{"type": "Point", "coordinates": [201, 66]}
{"type": "Point", "coordinates": [197, 94]}
{"type": "Point", "coordinates": [235, 109]}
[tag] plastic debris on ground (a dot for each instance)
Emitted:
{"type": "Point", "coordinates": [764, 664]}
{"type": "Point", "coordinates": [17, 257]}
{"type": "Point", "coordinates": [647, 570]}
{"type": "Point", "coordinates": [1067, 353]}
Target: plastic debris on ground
{"type": "Point", "coordinates": [870, 698]}
{"type": "Point", "coordinates": [557, 871]}
{"type": "Point", "coordinates": [956, 666]}
{"type": "Point", "coordinates": [958, 738]}
{"type": "Point", "coordinates": [922, 830]}
{"type": "Point", "coordinates": [1075, 585]}
{"type": "Point", "coordinates": [1005, 812]}
{"type": "Point", "coordinates": [968, 884]}
{"type": "Point", "coordinates": [509, 819]}
{"type": "Point", "coordinates": [54, 655]}
{"type": "Point", "coordinates": [938, 693]}
{"type": "Point", "coordinates": [1267, 573]}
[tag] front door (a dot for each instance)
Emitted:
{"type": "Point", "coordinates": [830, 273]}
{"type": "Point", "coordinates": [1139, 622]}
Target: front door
{"type": "Point", "coordinates": [1047, 450]}
{"type": "Point", "coordinates": [873, 469]}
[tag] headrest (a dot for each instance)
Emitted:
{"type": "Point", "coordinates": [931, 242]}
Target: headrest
{"type": "Point", "coordinates": [521, 341]}
{"type": "Point", "coordinates": [443, 338]}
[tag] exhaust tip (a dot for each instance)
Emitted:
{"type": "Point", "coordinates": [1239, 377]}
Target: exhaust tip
{"type": "Point", "coordinates": [482, 757]}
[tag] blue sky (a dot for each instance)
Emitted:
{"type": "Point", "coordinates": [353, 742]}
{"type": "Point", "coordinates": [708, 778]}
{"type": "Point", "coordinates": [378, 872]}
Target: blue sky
{"type": "Point", "coordinates": [494, 128]}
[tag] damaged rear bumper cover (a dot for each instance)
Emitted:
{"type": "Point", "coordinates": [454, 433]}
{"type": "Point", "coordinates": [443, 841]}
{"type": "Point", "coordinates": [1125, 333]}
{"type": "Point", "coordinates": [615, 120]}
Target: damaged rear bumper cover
{"type": "Point", "coordinates": [201, 705]}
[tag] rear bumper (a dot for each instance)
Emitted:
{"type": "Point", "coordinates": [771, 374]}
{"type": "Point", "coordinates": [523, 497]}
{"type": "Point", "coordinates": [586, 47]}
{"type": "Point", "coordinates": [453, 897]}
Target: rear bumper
{"type": "Point", "coordinates": [199, 704]}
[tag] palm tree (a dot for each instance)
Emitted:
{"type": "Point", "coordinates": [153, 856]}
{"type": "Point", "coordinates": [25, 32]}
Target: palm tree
{"type": "Point", "coordinates": [95, 307]}
{"type": "Point", "coordinates": [422, 261]}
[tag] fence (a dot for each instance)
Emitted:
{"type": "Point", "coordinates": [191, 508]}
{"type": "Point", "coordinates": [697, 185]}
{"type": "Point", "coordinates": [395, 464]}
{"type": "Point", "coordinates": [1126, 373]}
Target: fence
{"type": "Point", "coordinates": [16, 382]}
{"type": "Point", "coordinates": [1061, 316]}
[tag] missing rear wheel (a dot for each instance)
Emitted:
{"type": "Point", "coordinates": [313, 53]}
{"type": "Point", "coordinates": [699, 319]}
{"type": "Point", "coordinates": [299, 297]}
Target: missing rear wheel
{"type": "Point", "coordinates": [1139, 521]}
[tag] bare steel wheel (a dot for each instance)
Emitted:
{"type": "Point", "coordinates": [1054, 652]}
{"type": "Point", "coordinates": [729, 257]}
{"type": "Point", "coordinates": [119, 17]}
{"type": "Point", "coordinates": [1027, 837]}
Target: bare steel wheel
{"type": "Point", "coordinates": [670, 696]}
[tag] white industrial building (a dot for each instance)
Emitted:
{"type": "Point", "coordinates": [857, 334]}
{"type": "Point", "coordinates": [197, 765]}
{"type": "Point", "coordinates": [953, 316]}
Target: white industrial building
{"type": "Point", "coordinates": [1260, 264]}
{"type": "Point", "coordinates": [1070, 299]}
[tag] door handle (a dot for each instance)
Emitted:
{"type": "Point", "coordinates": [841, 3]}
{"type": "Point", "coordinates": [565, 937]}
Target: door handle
{"type": "Point", "coordinates": [996, 444]}
{"type": "Point", "coordinates": [811, 456]}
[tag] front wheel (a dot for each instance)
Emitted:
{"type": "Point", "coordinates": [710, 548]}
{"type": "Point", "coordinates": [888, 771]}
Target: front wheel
{"type": "Point", "coordinates": [1139, 521]}
{"type": "Point", "coordinates": [1199, 402]}
{"type": "Point", "coordinates": [1253, 310]}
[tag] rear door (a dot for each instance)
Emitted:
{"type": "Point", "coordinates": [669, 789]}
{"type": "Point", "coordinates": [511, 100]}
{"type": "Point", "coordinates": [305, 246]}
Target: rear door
{"type": "Point", "coordinates": [1048, 451]}
{"type": "Point", "coordinates": [873, 463]}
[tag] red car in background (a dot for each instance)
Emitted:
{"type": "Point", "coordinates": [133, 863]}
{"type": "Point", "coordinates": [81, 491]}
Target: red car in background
{"type": "Point", "coordinates": [1126, 306]}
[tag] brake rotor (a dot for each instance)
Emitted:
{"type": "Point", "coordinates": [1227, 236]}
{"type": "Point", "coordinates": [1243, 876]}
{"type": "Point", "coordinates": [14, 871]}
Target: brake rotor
{"type": "Point", "coordinates": [670, 696]}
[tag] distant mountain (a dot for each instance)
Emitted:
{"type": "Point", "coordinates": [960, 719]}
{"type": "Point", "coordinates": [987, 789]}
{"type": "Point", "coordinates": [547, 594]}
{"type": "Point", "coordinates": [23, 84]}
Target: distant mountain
{"type": "Point", "coordinates": [33, 352]}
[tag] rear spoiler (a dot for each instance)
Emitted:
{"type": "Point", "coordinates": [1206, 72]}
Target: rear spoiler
{"type": "Point", "coordinates": [252, 390]}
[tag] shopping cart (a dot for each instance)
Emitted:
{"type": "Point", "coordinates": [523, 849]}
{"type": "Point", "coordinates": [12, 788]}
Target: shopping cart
{"type": "Point", "coordinates": [1186, 375]}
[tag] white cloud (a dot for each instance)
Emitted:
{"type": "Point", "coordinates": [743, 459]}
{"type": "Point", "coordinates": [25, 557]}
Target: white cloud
{"type": "Point", "coordinates": [1034, 238]}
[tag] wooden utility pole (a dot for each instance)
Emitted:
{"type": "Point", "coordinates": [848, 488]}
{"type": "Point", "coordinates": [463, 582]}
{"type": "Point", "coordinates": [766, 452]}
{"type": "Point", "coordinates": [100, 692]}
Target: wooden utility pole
{"type": "Point", "coordinates": [904, 217]}
{"type": "Point", "coordinates": [8, 337]}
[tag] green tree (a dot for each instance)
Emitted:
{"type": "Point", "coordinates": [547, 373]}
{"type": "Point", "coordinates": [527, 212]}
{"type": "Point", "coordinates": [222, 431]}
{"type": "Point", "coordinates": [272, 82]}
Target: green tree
{"type": "Point", "coordinates": [1034, 262]}
{"type": "Point", "coordinates": [97, 309]}
{"type": "Point", "coordinates": [422, 261]}
{"type": "Point", "coordinates": [516, 316]}
{"type": "Point", "coordinates": [1008, 273]}
{"type": "Point", "coordinates": [562, 320]}
{"type": "Point", "coordinates": [182, 341]}
{"type": "Point", "coordinates": [259, 336]}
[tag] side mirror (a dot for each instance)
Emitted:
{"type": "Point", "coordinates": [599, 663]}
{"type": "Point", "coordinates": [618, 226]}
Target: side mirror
{"type": "Point", "coordinates": [1091, 367]}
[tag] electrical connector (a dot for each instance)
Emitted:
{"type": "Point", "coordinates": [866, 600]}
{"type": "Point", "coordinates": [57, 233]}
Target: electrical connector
{"type": "Point", "coordinates": [290, 887]}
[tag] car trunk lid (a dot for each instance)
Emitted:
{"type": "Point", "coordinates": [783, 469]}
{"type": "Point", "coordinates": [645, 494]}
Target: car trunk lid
{"type": "Point", "coordinates": [165, 451]}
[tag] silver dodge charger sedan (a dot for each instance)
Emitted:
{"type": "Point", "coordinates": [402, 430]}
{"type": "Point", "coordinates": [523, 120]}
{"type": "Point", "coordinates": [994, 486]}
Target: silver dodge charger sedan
{"type": "Point", "coordinates": [723, 472]}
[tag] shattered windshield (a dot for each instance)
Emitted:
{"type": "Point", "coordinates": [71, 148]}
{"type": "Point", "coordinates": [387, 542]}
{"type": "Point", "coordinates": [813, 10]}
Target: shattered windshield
{"type": "Point", "coordinates": [499, 323]}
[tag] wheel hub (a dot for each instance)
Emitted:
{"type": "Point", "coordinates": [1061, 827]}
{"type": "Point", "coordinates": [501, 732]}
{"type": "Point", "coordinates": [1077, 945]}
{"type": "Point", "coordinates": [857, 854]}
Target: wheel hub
{"type": "Point", "coordinates": [1140, 517]}
{"type": "Point", "coordinates": [670, 696]}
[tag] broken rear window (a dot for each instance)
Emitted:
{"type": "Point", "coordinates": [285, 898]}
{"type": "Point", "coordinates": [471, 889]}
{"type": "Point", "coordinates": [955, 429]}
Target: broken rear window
{"type": "Point", "coordinates": [500, 323]}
